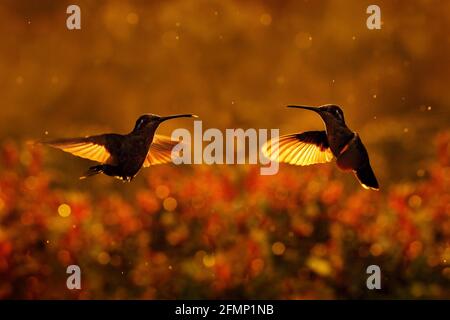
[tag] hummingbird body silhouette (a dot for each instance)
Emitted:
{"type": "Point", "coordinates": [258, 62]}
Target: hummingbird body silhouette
{"type": "Point", "coordinates": [122, 156]}
{"type": "Point", "coordinates": [337, 141]}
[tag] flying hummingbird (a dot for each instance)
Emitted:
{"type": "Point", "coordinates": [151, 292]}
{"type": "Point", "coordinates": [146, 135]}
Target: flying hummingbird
{"type": "Point", "coordinates": [122, 156]}
{"type": "Point", "coordinates": [337, 141]}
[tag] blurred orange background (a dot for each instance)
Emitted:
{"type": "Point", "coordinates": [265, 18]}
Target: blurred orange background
{"type": "Point", "coordinates": [225, 231]}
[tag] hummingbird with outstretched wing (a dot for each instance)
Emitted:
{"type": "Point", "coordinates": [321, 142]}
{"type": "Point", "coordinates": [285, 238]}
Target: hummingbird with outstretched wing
{"type": "Point", "coordinates": [336, 142]}
{"type": "Point", "coordinates": [123, 155]}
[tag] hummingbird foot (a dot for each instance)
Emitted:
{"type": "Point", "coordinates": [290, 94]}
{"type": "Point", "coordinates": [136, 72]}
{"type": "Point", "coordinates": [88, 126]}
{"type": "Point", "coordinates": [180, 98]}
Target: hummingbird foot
{"type": "Point", "coordinates": [92, 171]}
{"type": "Point", "coordinates": [127, 179]}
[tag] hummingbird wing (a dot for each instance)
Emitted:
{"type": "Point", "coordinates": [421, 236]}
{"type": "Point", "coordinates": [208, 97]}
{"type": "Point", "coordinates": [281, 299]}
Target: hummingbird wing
{"type": "Point", "coordinates": [301, 149]}
{"type": "Point", "coordinates": [94, 148]}
{"type": "Point", "coordinates": [160, 151]}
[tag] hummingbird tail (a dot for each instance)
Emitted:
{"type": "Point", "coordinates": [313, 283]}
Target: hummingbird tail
{"type": "Point", "coordinates": [366, 177]}
{"type": "Point", "coordinates": [92, 171]}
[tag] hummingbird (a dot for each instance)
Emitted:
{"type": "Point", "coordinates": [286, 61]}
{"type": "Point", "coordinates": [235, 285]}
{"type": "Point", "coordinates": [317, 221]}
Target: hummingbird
{"type": "Point", "coordinates": [123, 155]}
{"type": "Point", "coordinates": [337, 141]}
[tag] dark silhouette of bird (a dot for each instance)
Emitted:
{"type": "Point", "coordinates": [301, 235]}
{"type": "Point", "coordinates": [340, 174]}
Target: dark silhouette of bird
{"type": "Point", "coordinates": [337, 141]}
{"type": "Point", "coordinates": [122, 156]}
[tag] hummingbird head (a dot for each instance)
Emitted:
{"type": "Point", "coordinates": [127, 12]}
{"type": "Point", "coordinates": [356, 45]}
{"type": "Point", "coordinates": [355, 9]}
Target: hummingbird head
{"type": "Point", "coordinates": [328, 112]}
{"type": "Point", "coordinates": [153, 120]}
{"type": "Point", "coordinates": [333, 111]}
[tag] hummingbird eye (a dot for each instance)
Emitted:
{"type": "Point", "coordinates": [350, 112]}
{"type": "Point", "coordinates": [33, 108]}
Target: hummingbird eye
{"type": "Point", "coordinates": [140, 123]}
{"type": "Point", "coordinates": [338, 113]}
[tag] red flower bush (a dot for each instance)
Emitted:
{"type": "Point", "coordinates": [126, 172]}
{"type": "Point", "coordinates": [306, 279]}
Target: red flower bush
{"type": "Point", "coordinates": [222, 232]}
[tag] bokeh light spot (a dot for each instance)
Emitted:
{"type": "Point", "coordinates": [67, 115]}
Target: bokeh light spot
{"type": "Point", "coordinates": [319, 266]}
{"type": "Point", "coordinates": [257, 265]}
{"type": "Point", "coordinates": [209, 261]}
{"type": "Point", "coordinates": [265, 19]}
{"type": "Point", "coordinates": [167, 218]}
{"type": "Point", "coordinates": [415, 248]}
{"type": "Point", "coordinates": [170, 204]}
{"type": "Point", "coordinates": [64, 210]}
{"type": "Point", "coordinates": [376, 249]}
{"type": "Point", "coordinates": [415, 201]}
{"type": "Point", "coordinates": [278, 248]}
{"type": "Point", "coordinates": [420, 173]}
{"type": "Point", "coordinates": [54, 80]}
{"type": "Point", "coordinates": [64, 257]}
{"type": "Point", "coordinates": [103, 258]}
{"type": "Point", "coordinates": [446, 272]}
{"type": "Point", "coordinates": [162, 191]}
{"type": "Point", "coordinates": [132, 18]}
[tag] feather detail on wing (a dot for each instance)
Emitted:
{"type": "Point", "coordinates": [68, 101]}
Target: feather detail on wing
{"type": "Point", "coordinates": [160, 150]}
{"type": "Point", "coordinates": [92, 148]}
{"type": "Point", "coordinates": [301, 149]}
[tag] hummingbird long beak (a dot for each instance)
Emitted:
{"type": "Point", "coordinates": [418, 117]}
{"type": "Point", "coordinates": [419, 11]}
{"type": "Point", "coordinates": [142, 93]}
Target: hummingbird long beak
{"type": "Point", "coordinates": [188, 115]}
{"type": "Point", "coordinates": [315, 109]}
